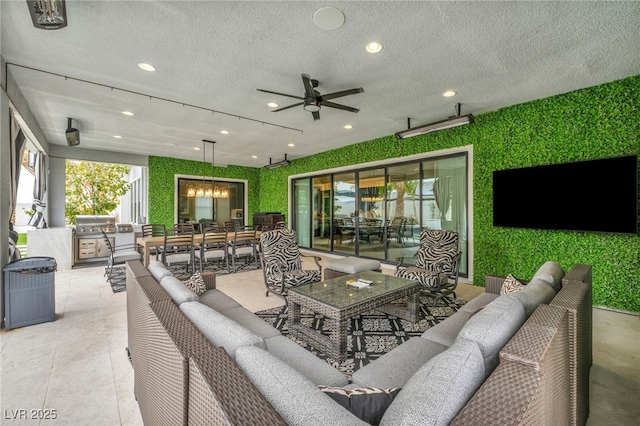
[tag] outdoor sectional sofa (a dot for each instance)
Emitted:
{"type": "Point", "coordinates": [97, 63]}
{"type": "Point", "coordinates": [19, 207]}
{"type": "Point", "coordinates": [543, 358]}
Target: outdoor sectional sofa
{"type": "Point", "coordinates": [522, 359]}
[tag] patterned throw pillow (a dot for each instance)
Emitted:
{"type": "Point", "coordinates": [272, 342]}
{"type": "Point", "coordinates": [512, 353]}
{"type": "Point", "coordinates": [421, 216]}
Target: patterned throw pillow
{"type": "Point", "coordinates": [511, 285]}
{"type": "Point", "coordinates": [368, 404]}
{"type": "Point", "coordinates": [196, 283]}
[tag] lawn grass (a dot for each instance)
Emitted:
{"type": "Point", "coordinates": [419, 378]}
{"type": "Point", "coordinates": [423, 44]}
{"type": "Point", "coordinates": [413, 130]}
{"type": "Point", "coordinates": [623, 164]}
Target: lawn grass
{"type": "Point", "coordinates": [22, 239]}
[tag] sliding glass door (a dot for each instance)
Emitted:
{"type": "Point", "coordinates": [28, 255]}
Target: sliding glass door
{"type": "Point", "coordinates": [379, 212]}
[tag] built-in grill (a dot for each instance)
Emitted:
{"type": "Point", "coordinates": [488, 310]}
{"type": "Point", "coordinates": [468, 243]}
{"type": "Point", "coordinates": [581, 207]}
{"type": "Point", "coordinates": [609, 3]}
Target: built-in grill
{"type": "Point", "coordinates": [93, 225]}
{"type": "Point", "coordinates": [88, 242]}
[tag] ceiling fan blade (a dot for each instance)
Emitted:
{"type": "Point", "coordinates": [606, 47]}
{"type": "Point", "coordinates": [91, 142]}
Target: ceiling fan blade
{"type": "Point", "coordinates": [338, 106]}
{"type": "Point", "coordinates": [308, 87]}
{"type": "Point", "coordinates": [287, 107]}
{"type": "Point", "coordinates": [342, 93]}
{"type": "Point", "coordinates": [316, 115]}
{"type": "Point", "coordinates": [278, 93]}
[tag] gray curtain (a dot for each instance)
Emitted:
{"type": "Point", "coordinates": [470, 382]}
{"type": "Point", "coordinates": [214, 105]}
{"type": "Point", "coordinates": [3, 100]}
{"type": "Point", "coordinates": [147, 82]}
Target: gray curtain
{"type": "Point", "coordinates": [39, 188]}
{"type": "Point", "coordinates": [442, 193]}
{"type": "Point", "coordinates": [18, 142]}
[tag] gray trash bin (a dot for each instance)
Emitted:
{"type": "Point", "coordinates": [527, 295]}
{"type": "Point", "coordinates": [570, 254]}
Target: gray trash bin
{"type": "Point", "coordinates": [29, 291]}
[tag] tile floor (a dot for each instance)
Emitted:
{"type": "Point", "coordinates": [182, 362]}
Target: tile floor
{"type": "Point", "coordinates": [77, 368]}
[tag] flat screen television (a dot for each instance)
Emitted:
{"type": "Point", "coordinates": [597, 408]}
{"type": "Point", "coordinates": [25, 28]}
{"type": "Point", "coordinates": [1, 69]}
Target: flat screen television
{"type": "Point", "coordinates": [596, 195]}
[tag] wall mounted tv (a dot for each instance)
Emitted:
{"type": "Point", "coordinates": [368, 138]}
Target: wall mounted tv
{"type": "Point", "coordinates": [596, 195]}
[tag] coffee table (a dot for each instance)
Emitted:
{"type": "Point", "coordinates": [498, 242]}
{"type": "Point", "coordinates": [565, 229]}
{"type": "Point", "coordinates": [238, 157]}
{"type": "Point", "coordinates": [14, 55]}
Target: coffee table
{"type": "Point", "coordinates": [338, 301]}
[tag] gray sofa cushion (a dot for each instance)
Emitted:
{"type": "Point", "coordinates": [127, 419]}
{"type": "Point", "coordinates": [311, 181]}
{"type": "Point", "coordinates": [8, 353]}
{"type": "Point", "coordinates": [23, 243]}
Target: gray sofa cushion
{"type": "Point", "coordinates": [158, 270]}
{"type": "Point", "coordinates": [218, 300]}
{"type": "Point", "coordinates": [295, 397]}
{"type": "Point", "coordinates": [492, 327]}
{"type": "Point", "coordinates": [218, 329]}
{"type": "Point", "coordinates": [551, 273]}
{"type": "Point", "coordinates": [533, 294]}
{"type": "Point", "coordinates": [303, 361]}
{"type": "Point", "coordinates": [445, 332]}
{"type": "Point", "coordinates": [179, 292]}
{"type": "Point", "coordinates": [248, 319]}
{"type": "Point", "coordinates": [395, 368]}
{"type": "Point", "coordinates": [478, 302]}
{"type": "Point", "coordinates": [439, 390]}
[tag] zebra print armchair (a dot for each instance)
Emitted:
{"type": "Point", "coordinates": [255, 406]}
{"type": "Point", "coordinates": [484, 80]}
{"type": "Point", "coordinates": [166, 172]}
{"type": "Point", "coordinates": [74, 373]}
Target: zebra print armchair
{"type": "Point", "coordinates": [437, 261]}
{"type": "Point", "coordinates": [282, 264]}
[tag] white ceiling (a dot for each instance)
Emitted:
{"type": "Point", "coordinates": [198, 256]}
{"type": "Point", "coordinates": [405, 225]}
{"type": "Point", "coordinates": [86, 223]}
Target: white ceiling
{"type": "Point", "coordinates": [215, 54]}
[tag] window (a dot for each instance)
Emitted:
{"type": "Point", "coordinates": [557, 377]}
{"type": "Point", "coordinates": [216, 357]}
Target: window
{"type": "Point", "coordinates": [199, 200]}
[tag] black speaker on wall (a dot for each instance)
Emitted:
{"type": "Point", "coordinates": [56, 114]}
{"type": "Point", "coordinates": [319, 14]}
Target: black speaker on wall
{"type": "Point", "coordinates": [73, 135]}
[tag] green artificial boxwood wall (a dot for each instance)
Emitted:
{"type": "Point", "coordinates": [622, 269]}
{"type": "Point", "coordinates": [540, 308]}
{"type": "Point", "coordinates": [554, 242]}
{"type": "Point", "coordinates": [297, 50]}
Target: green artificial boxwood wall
{"type": "Point", "coordinates": [162, 173]}
{"type": "Point", "coordinates": [596, 122]}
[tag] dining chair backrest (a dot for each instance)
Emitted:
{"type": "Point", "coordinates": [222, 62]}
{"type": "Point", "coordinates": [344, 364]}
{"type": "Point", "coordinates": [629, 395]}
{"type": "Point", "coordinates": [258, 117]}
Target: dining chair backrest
{"type": "Point", "coordinates": [177, 248]}
{"type": "Point", "coordinates": [213, 238]}
{"type": "Point", "coordinates": [181, 228]}
{"type": "Point", "coordinates": [153, 230]}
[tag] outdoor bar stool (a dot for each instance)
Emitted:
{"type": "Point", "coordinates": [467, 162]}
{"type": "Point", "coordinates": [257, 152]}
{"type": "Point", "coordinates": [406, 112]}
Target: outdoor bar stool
{"type": "Point", "coordinates": [334, 268]}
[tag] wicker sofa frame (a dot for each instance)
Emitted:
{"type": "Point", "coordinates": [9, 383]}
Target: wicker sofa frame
{"type": "Point", "coordinates": [181, 378]}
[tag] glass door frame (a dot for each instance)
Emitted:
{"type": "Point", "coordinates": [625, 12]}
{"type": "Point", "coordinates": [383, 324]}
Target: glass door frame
{"type": "Point", "coordinates": [417, 159]}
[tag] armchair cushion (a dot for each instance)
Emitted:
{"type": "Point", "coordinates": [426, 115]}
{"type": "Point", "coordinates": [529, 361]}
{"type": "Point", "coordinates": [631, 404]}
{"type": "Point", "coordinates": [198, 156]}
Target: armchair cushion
{"type": "Point", "coordinates": [427, 278]}
{"type": "Point", "coordinates": [296, 278]}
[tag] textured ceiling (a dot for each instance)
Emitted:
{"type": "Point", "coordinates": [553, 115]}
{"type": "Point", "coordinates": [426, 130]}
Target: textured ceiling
{"type": "Point", "coordinates": [215, 54]}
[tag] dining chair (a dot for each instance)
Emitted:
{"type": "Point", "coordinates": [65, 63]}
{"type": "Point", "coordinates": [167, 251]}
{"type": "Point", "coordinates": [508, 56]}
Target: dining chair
{"type": "Point", "coordinates": [212, 247]}
{"type": "Point", "coordinates": [118, 255]}
{"type": "Point", "coordinates": [177, 248]}
{"type": "Point", "coordinates": [153, 230]}
{"type": "Point", "coordinates": [242, 245]}
{"type": "Point", "coordinates": [281, 262]}
{"type": "Point", "coordinates": [437, 261]}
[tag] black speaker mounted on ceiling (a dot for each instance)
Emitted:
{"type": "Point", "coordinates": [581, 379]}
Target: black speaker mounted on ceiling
{"type": "Point", "coordinates": [73, 135]}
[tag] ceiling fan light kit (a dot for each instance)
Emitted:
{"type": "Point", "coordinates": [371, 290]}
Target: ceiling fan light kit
{"type": "Point", "coordinates": [454, 121]}
{"type": "Point", "coordinates": [48, 14]}
{"type": "Point", "coordinates": [282, 163]}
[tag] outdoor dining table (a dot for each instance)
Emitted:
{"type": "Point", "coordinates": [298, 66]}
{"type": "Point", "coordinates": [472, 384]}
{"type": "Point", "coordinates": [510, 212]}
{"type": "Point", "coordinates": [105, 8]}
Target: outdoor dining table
{"type": "Point", "coordinates": [147, 243]}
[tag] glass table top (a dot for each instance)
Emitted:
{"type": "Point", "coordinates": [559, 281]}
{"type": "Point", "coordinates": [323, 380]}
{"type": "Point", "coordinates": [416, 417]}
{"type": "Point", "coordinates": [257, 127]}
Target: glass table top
{"type": "Point", "coordinates": [338, 293]}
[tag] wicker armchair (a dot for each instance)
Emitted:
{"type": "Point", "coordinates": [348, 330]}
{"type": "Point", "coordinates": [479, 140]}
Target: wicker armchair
{"type": "Point", "coordinates": [281, 262]}
{"type": "Point", "coordinates": [437, 262]}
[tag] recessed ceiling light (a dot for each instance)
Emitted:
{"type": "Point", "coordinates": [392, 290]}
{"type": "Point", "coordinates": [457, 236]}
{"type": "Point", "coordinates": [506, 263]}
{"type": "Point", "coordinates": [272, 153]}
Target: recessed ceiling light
{"type": "Point", "coordinates": [291, 144]}
{"type": "Point", "coordinates": [254, 156]}
{"type": "Point", "coordinates": [224, 132]}
{"type": "Point", "coordinates": [196, 148]}
{"type": "Point", "coordinates": [129, 113]}
{"type": "Point", "coordinates": [373, 47]}
{"type": "Point", "coordinates": [328, 18]}
{"type": "Point", "coordinates": [449, 93]}
{"type": "Point", "coordinates": [117, 136]}
{"type": "Point", "coordinates": [348, 127]}
{"type": "Point", "coordinates": [146, 67]}
{"type": "Point", "coordinates": [273, 105]}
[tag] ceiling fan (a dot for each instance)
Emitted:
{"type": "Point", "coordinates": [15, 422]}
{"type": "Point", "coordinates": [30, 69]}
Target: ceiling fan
{"type": "Point", "coordinates": [313, 100]}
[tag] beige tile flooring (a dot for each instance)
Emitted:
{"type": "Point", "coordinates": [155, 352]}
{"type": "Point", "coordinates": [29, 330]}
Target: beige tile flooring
{"type": "Point", "coordinates": [77, 365]}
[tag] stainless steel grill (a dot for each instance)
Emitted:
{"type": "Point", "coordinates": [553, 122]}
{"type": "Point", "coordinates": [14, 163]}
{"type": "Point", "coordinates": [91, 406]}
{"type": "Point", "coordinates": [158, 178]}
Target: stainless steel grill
{"type": "Point", "coordinates": [93, 225]}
